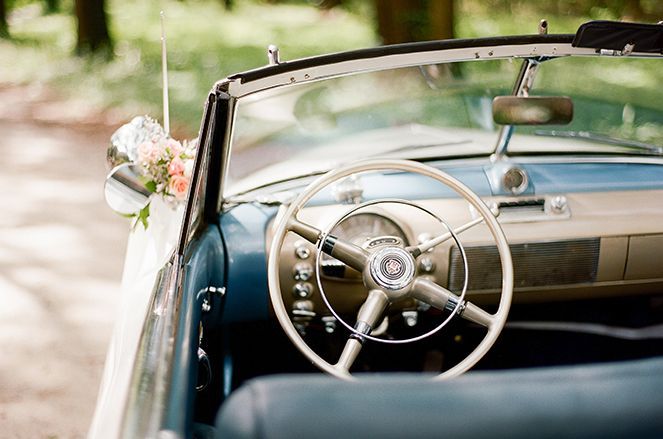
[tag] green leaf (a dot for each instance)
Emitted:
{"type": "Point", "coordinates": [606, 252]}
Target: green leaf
{"type": "Point", "coordinates": [152, 187]}
{"type": "Point", "coordinates": [143, 215]}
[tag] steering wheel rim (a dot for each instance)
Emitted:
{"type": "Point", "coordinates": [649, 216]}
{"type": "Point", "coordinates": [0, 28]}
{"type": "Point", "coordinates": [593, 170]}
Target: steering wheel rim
{"type": "Point", "coordinates": [287, 221]}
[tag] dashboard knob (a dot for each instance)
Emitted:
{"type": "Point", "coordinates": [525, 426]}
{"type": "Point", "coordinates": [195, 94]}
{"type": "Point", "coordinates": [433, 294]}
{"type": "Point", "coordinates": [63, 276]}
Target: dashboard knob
{"type": "Point", "coordinates": [329, 323]}
{"type": "Point", "coordinates": [558, 204]}
{"type": "Point", "coordinates": [302, 290]}
{"type": "Point", "coordinates": [301, 250]}
{"type": "Point", "coordinates": [411, 318]}
{"type": "Point", "coordinates": [426, 265]}
{"type": "Point", "coordinates": [303, 271]}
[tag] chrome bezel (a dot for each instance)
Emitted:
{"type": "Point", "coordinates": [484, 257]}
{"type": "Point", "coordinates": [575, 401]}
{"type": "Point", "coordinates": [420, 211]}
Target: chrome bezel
{"type": "Point", "coordinates": [519, 189]}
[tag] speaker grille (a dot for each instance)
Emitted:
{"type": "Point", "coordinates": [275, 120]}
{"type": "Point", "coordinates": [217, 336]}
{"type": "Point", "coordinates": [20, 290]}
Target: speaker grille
{"type": "Point", "coordinates": [535, 264]}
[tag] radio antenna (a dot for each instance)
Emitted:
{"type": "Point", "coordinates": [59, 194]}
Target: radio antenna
{"type": "Point", "coordinates": [164, 73]}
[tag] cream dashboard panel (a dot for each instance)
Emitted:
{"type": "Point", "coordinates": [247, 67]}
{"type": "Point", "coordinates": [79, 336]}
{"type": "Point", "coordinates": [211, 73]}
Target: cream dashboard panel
{"type": "Point", "coordinates": [597, 244]}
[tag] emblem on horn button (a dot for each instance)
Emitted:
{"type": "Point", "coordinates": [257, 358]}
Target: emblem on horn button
{"type": "Point", "coordinates": [392, 268]}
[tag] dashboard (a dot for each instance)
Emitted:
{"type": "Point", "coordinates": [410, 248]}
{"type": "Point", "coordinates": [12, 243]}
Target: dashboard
{"type": "Point", "coordinates": [584, 229]}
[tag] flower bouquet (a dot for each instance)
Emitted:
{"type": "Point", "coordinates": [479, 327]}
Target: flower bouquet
{"type": "Point", "coordinates": [164, 164]}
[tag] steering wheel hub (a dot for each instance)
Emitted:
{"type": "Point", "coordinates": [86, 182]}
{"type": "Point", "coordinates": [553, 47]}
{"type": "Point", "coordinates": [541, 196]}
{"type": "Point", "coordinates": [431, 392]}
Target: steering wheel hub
{"type": "Point", "coordinates": [392, 268]}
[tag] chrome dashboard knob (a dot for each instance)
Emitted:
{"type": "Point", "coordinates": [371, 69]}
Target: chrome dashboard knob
{"type": "Point", "coordinates": [558, 204]}
{"type": "Point", "coordinates": [301, 250]}
{"type": "Point", "coordinates": [302, 290]}
{"type": "Point", "coordinates": [302, 271]}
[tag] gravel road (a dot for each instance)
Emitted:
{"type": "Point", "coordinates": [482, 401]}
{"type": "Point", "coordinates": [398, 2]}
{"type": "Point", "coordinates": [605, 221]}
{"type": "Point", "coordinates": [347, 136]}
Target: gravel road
{"type": "Point", "coordinates": [61, 253]}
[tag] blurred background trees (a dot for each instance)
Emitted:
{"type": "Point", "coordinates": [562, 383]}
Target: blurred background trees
{"type": "Point", "coordinates": [395, 21]}
{"type": "Point", "coordinates": [92, 31]}
{"type": "Point", "coordinates": [4, 31]}
{"type": "Point", "coordinates": [399, 21]}
{"type": "Point", "coordinates": [118, 41]}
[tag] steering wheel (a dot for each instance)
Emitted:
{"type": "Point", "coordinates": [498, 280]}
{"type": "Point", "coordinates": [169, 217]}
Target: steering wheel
{"type": "Point", "coordinates": [389, 271]}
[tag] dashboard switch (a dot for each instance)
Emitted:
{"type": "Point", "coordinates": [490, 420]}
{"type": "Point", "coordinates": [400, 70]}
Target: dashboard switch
{"type": "Point", "coordinates": [302, 290]}
{"type": "Point", "coordinates": [301, 250]}
{"type": "Point", "coordinates": [303, 308]}
{"type": "Point", "coordinates": [426, 265]}
{"type": "Point", "coordinates": [303, 271]}
{"type": "Point", "coordinates": [329, 323]}
{"type": "Point", "coordinates": [558, 203]}
{"type": "Point", "coordinates": [411, 318]}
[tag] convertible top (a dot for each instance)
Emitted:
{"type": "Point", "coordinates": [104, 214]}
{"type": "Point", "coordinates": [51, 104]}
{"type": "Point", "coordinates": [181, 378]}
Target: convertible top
{"type": "Point", "coordinates": [616, 35]}
{"type": "Point", "coordinates": [590, 401]}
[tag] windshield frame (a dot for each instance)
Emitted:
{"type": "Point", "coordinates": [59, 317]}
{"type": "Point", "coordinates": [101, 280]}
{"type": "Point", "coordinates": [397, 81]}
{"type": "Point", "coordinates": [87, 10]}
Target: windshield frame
{"type": "Point", "coordinates": [307, 70]}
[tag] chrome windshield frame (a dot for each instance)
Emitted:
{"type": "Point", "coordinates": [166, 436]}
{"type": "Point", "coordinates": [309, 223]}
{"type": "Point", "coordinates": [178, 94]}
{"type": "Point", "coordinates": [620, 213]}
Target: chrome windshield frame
{"type": "Point", "coordinates": [308, 70]}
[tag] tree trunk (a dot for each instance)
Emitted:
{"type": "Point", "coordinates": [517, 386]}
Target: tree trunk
{"type": "Point", "coordinates": [93, 33]}
{"type": "Point", "coordinates": [441, 19]}
{"type": "Point", "coordinates": [51, 6]}
{"type": "Point", "coordinates": [4, 29]}
{"type": "Point", "coordinates": [401, 21]}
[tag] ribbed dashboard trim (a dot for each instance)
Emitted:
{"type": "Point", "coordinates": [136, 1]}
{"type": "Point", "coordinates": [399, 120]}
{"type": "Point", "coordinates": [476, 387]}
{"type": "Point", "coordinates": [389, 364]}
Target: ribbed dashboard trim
{"type": "Point", "coordinates": [536, 264]}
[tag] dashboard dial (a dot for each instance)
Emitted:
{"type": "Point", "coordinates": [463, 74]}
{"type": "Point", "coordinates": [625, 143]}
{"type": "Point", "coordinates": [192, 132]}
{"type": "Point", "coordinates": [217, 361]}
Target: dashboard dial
{"type": "Point", "coordinates": [515, 180]}
{"type": "Point", "coordinates": [359, 229]}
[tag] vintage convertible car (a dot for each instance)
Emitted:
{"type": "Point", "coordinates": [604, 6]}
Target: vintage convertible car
{"type": "Point", "coordinates": [395, 217]}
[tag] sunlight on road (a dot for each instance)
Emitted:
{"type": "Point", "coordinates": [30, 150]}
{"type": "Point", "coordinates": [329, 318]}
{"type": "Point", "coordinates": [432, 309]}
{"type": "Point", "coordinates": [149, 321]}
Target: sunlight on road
{"type": "Point", "coordinates": [61, 253]}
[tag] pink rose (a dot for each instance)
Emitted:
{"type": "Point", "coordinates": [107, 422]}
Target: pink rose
{"type": "Point", "coordinates": [179, 186]}
{"type": "Point", "coordinates": [174, 147]}
{"type": "Point", "coordinates": [176, 167]}
{"type": "Point", "coordinates": [149, 152]}
{"type": "Point", "coordinates": [144, 151]}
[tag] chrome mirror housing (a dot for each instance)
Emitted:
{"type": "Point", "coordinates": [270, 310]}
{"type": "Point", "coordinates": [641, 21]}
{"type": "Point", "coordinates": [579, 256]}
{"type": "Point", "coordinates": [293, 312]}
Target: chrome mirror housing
{"type": "Point", "coordinates": [126, 140]}
{"type": "Point", "coordinates": [124, 191]}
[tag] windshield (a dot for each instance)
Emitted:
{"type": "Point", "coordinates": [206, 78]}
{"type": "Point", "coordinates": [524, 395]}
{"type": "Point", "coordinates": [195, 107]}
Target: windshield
{"type": "Point", "coordinates": [439, 111]}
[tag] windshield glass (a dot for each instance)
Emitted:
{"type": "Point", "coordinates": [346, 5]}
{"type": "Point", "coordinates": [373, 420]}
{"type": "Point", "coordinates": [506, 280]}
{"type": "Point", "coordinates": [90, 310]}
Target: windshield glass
{"type": "Point", "coordinates": [439, 111]}
{"type": "Point", "coordinates": [617, 102]}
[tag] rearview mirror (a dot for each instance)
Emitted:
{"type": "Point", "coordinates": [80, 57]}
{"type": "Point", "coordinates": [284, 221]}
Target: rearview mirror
{"type": "Point", "coordinates": [532, 110]}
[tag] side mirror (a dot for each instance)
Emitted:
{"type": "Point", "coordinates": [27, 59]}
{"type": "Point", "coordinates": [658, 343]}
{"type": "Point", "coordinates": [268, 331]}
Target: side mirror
{"type": "Point", "coordinates": [126, 139]}
{"type": "Point", "coordinates": [532, 110]}
{"type": "Point", "coordinates": [124, 191]}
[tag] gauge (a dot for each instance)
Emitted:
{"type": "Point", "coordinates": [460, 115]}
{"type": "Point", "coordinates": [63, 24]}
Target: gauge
{"type": "Point", "coordinates": [359, 229]}
{"type": "Point", "coordinates": [515, 180]}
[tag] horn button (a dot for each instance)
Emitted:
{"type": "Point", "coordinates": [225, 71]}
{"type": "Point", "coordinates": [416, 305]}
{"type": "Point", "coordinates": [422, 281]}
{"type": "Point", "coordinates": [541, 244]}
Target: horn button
{"type": "Point", "coordinates": [392, 270]}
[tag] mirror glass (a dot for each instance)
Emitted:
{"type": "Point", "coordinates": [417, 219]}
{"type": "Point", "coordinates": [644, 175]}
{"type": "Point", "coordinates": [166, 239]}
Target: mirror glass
{"type": "Point", "coordinates": [532, 110]}
{"type": "Point", "coordinates": [124, 191]}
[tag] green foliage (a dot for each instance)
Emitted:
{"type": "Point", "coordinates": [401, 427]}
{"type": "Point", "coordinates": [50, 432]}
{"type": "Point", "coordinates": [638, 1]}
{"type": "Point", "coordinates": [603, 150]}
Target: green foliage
{"type": "Point", "coordinates": [205, 44]}
{"type": "Point", "coordinates": [143, 215]}
{"type": "Point", "coordinates": [151, 186]}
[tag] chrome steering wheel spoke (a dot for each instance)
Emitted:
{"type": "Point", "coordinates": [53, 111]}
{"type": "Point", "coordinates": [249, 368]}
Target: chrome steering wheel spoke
{"type": "Point", "coordinates": [417, 250]}
{"type": "Point", "coordinates": [439, 297]}
{"type": "Point", "coordinates": [346, 252]}
{"type": "Point", "coordinates": [369, 315]}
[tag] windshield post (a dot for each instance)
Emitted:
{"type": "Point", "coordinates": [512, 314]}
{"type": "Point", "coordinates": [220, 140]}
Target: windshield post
{"type": "Point", "coordinates": [521, 88]}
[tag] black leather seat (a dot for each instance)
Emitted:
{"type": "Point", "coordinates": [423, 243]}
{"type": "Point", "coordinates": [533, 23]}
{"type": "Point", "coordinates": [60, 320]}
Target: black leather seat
{"type": "Point", "coordinates": [601, 401]}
